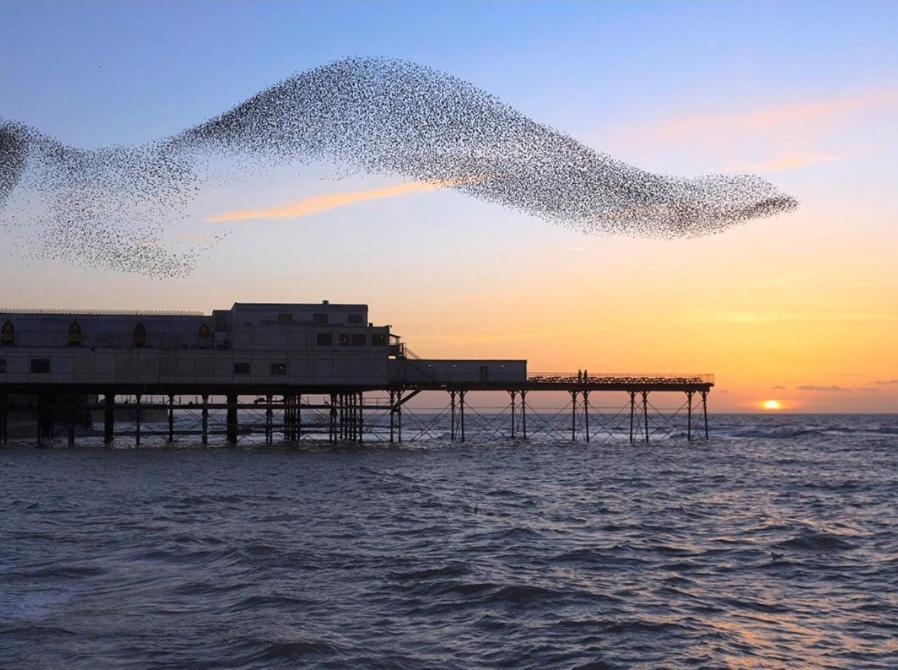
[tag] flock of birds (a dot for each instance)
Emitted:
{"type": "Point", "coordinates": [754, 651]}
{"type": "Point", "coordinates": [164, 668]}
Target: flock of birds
{"type": "Point", "coordinates": [108, 208]}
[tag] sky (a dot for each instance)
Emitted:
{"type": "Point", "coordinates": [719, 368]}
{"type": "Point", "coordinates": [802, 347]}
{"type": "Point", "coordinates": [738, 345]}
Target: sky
{"type": "Point", "coordinates": [801, 307]}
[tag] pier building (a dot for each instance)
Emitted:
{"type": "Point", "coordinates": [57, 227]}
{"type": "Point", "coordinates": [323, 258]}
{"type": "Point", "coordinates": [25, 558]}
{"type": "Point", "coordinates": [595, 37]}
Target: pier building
{"type": "Point", "coordinates": [325, 360]}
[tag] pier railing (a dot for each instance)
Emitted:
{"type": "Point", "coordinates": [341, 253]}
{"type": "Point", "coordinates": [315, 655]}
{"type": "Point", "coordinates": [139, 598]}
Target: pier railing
{"type": "Point", "coordinates": [619, 378]}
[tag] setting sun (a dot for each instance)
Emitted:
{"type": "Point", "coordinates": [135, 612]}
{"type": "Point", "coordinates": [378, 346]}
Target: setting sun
{"type": "Point", "coordinates": [771, 404]}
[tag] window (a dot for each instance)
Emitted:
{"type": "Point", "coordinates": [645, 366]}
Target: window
{"type": "Point", "coordinates": [204, 332]}
{"type": "Point", "coordinates": [343, 339]}
{"type": "Point", "coordinates": [2, 365]}
{"type": "Point", "coordinates": [285, 318]}
{"type": "Point", "coordinates": [7, 334]}
{"type": "Point", "coordinates": [40, 366]}
{"type": "Point", "coordinates": [74, 334]}
{"type": "Point", "coordinates": [358, 339]}
{"type": "Point", "coordinates": [279, 369]}
{"type": "Point", "coordinates": [319, 319]}
{"type": "Point", "coordinates": [140, 335]}
{"type": "Point", "coordinates": [324, 339]}
{"type": "Point", "coordinates": [355, 319]}
{"type": "Point", "coordinates": [241, 368]}
{"type": "Point", "coordinates": [378, 340]}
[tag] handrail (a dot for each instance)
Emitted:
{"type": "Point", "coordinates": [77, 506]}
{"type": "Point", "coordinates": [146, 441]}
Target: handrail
{"type": "Point", "coordinates": [621, 377]}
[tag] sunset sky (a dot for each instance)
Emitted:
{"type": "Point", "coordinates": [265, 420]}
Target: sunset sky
{"type": "Point", "coordinates": [801, 308]}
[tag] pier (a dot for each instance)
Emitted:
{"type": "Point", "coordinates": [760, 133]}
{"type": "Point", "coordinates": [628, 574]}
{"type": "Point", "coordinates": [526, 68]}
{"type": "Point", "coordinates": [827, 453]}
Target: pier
{"type": "Point", "coordinates": [286, 373]}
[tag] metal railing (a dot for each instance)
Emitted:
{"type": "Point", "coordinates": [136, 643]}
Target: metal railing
{"type": "Point", "coordinates": [619, 378]}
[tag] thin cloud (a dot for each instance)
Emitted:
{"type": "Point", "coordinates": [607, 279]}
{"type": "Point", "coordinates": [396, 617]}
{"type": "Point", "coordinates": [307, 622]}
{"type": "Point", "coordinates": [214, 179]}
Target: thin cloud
{"type": "Point", "coordinates": [824, 389]}
{"type": "Point", "coordinates": [326, 202]}
{"type": "Point", "coordinates": [792, 161]}
{"type": "Point", "coordinates": [775, 117]}
{"type": "Point", "coordinates": [886, 382]}
{"type": "Point", "coordinates": [778, 388]}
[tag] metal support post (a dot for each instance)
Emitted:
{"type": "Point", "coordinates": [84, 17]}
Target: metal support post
{"type": "Point", "coordinates": [705, 411]}
{"type": "Point", "coordinates": [586, 413]}
{"type": "Point", "coordinates": [524, 414]}
{"type": "Point", "coordinates": [452, 415]}
{"type": "Point", "coordinates": [645, 413]}
{"type": "Point", "coordinates": [361, 417]}
{"type": "Point", "coordinates": [4, 418]}
{"type": "Point", "coordinates": [461, 409]}
{"type": "Point", "coordinates": [70, 419]}
{"type": "Point", "coordinates": [513, 395]}
{"type": "Point", "coordinates": [332, 436]}
{"type": "Point", "coordinates": [108, 418]}
{"type": "Point", "coordinates": [205, 419]}
{"type": "Point", "coordinates": [232, 419]}
{"type": "Point", "coordinates": [573, 416]}
{"type": "Point", "coordinates": [298, 417]}
{"type": "Point", "coordinates": [632, 412]}
{"type": "Point", "coordinates": [392, 416]}
{"type": "Point", "coordinates": [171, 418]}
{"type": "Point", "coordinates": [137, 418]}
{"type": "Point", "coordinates": [269, 420]}
{"type": "Point", "coordinates": [689, 415]}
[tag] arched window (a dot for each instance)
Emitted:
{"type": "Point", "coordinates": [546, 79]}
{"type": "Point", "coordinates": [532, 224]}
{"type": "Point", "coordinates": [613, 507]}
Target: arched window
{"type": "Point", "coordinates": [204, 332]}
{"type": "Point", "coordinates": [8, 334]}
{"type": "Point", "coordinates": [74, 334]}
{"type": "Point", "coordinates": [140, 335]}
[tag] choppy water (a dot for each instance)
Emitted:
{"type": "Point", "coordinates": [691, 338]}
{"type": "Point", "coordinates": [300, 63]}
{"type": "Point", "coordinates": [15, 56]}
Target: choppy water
{"type": "Point", "coordinates": [774, 545]}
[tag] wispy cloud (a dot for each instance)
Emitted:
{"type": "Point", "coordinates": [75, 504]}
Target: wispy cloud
{"type": "Point", "coordinates": [824, 389]}
{"type": "Point", "coordinates": [886, 382]}
{"type": "Point", "coordinates": [329, 201]}
{"type": "Point", "coordinates": [772, 117]}
{"type": "Point", "coordinates": [791, 161]}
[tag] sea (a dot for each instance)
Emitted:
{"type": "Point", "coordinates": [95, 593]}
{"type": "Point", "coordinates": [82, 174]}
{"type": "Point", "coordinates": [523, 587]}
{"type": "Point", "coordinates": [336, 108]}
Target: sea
{"type": "Point", "coordinates": [772, 545]}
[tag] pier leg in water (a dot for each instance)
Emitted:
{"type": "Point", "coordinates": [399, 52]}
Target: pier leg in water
{"type": "Point", "coordinates": [524, 414]}
{"type": "Point", "coordinates": [513, 395]}
{"type": "Point", "coordinates": [632, 413]}
{"type": "Point", "coordinates": [137, 418]}
{"type": "Point", "coordinates": [361, 417]}
{"type": "Point", "coordinates": [333, 415]}
{"type": "Point", "coordinates": [705, 411]}
{"type": "Point", "coordinates": [452, 415]}
{"type": "Point", "coordinates": [109, 418]}
{"type": "Point", "coordinates": [586, 413]}
{"type": "Point", "coordinates": [689, 415]}
{"type": "Point", "coordinates": [171, 418]}
{"type": "Point", "coordinates": [269, 420]}
{"type": "Point", "coordinates": [205, 420]}
{"type": "Point", "coordinates": [392, 416]}
{"type": "Point", "coordinates": [461, 409]}
{"type": "Point", "coordinates": [232, 418]}
{"type": "Point", "coordinates": [4, 418]}
{"type": "Point", "coordinates": [645, 413]}
{"type": "Point", "coordinates": [298, 417]}
{"type": "Point", "coordinates": [573, 416]}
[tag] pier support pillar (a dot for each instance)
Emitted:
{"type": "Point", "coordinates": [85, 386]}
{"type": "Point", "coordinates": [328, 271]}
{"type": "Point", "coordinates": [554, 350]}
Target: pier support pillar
{"type": "Point", "coordinates": [361, 417]}
{"type": "Point", "coordinates": [632, 412]}
{"type": "Point", "coordinates": [573, 416]}
{"type": "Point", "coordinates": [452, 415]}
{"type": "Point", "coordinates": [524, 414]}
{"type": "Point", "coordinates": [392, 416]}
{"type": "Point", "coordinates": [4, 418]}
{"type": "Point", "coordinates": [298, 417]}
{"type": "Point", "coordinates": [137, 419]}
{"type": "Point", "coordinates": [705, 411]}
{"type": "Point", "coordinates": [645, 413]}
{"type": "Point", "coordinates": [108, 418]}
{"type": "Point", "coordinates": [269, 420]}
{"type": "Point", "coordinates": [461, 411]}
{"type": "Point", "coordinates": [332, 434]}
{"type": "Point", "coordinates": [171, 418]}
{"type": "Point", "coordinates": [71, 412]}
{"type": "Point", "coordinates": [45, 418]}
{"type": "Point", "coordinates": [232, 424]}
{"type": "Point", "coordinates": [586, 413]}
{"type": "Point", "coordinates": [513, 395]}
{"type": "Point", "coordinates": [205, 437]}
{"type": "Point", "coordinates": [689, 415]}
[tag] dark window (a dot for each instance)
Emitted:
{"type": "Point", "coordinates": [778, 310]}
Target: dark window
{"type": "Point", "coordinates": [319, 319]}
{"type": "Point", "coordinates": [204, 332]}
{"type": "Point", "coordinates": [343, 339]}
{"type": "Point", "coordinates": [378, 340]}
{"type": "Point", "coordinates": [358, 339]}
{"type": "Point", "coordinates": [285, 318]}
{"type": "Point", "coordinates": [279, 369]}
{"type": "Point", "coordinates": [8, 334]}
{"type": "Point", "coordinates": [325, 339]}
{"type": "Point", "coordinates": [2, 365]}
{"type": "Point", "coordinates": [241, 368]}
{"type": "Point", "coordinates": [140, 335]}
{"type": "Point", "coordinates": [74, 334]}
{"type": "Point", "coordinates": [40, 366]}
{"type": "Point", "coordinates": [355, 319]}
